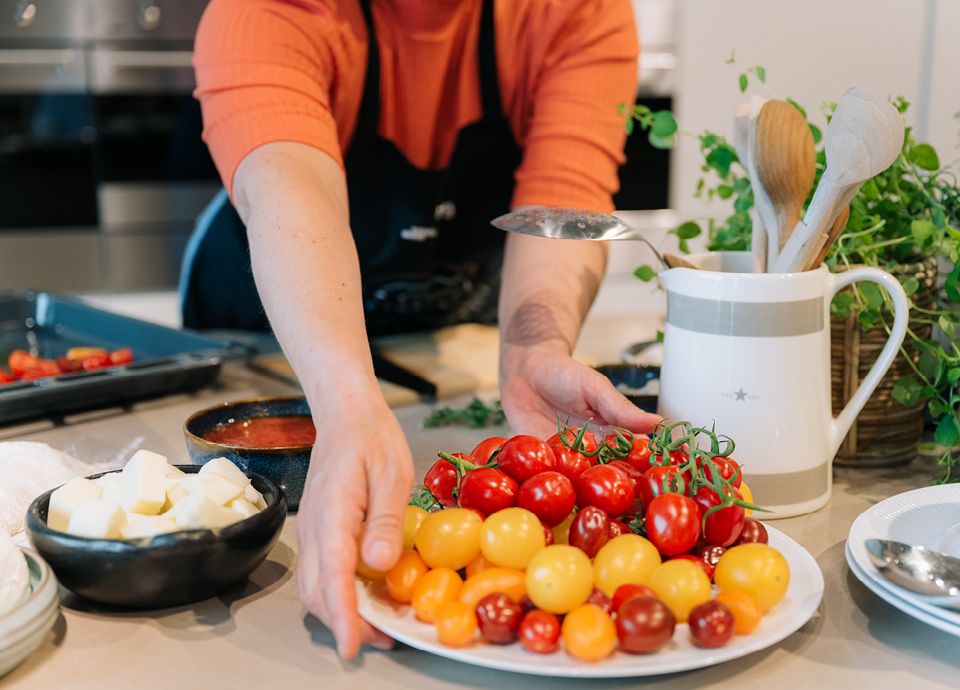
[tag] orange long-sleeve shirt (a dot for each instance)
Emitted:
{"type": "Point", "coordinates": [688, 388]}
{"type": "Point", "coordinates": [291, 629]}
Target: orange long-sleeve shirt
{"type": "Point", "coordinates": [293, 70]}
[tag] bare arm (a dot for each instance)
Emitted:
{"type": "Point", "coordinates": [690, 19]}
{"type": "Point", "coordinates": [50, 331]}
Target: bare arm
{"type": "Point", "coordinates": [293, 201]}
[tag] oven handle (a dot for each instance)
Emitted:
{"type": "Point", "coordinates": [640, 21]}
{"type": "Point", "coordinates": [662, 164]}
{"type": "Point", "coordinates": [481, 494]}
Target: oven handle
{"type": "Point", "coordinates": [37, 58]}
{"type": "Point", "coordinates": [132, 71]}
{"type": "Point", "coordinates": [41, 71]}
{"type": "Point", "coordinates": [148, 59]}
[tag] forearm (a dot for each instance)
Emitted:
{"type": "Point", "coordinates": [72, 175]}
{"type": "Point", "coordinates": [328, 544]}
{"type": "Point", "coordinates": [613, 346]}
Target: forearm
{"type": "Point", "coordinates": [293, 201]}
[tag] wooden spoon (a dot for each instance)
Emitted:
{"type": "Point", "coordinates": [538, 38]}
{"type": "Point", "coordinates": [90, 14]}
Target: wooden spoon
{"type": "Point", "coordinates": [862, 140]}
{"type": "Point", "coordinates": [786, 163]}
{"type": "Point", "coordinates": [743, 129]}
{"type": "Point", "coordinates": [838, 225]}
{"type": "Point", "coordinates": [674, 261]}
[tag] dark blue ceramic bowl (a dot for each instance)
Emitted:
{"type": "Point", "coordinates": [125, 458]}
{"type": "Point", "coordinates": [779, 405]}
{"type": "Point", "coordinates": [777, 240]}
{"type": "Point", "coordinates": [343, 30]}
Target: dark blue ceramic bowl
{"type": "Point", "coordinates": [165, 570]}
{"type": "Point", "coordinates": [286, 465]}
{"type": "Point", "coordinates": [630, 379]}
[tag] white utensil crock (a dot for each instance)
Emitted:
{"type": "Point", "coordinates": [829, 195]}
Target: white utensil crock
{"type": "Point", "coordinates": [751, 351]}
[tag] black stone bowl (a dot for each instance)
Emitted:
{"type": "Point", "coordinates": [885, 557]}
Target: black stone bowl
{"type": "Point", "coordinates": [631, 377]}
{"type": "Point", "coordinates": [286, 465]}
{"type": "Point", "coordinates": [164, 570]}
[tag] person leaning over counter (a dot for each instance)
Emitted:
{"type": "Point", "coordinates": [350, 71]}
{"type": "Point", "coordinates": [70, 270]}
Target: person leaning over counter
{"type": "Point", "coordinates": [365, 173]}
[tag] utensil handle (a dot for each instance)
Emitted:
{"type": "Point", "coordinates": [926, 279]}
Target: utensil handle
{"type": "Point", "coordinates": [841, 424]}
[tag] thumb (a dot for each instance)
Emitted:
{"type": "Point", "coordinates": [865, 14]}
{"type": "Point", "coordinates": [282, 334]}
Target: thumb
{"type": "Point", "coordinates": [614, 407]}
{"type": "Point", "coordinates": [388, 494]}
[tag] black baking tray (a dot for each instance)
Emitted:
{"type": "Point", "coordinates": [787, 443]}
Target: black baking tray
{"type": "Point", "coordinates": [165, 360]}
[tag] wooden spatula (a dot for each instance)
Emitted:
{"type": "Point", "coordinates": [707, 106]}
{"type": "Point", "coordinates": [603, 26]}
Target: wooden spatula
{"type": "Point", "coordinates": [835, 231]}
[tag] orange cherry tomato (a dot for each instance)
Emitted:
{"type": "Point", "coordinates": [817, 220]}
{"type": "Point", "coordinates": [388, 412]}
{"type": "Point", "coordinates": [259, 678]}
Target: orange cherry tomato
{"type": "Point", "coordinates": [456, 624]}
{"type": "Point", "coordinates": [746, 613]}
{"type": "Point", "coordinates": [436, 587]}
{"type": "Point", "coordinates": [510, 582]}
{"type": "Point", "coordinates": [589, 633]}
{"type": "Point", "coordinates": [403, 577]}
{"type": "Point", "coordinates": [477, 565]}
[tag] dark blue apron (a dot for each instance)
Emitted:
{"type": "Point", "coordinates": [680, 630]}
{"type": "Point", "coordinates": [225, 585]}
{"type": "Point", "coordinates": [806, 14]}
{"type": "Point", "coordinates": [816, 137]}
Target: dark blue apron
{"type": "Point", "coordinates": [428, 254]}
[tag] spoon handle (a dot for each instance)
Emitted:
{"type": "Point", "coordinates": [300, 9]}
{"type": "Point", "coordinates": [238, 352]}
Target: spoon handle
{"type": "Point", "coordinates": [804, 241]}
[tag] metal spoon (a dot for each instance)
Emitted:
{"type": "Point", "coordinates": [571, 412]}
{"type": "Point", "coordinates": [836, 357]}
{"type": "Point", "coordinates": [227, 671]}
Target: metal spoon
{"type": "Point", "coordinates": [933, 575]}
{"type": "Point", "coordinates": [571, 224]}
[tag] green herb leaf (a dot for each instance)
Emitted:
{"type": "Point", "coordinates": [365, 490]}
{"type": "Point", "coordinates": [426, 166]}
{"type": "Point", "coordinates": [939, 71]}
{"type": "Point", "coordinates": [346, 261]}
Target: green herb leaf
{"type": "Point", "coordinates": [950, 286]}
{"type": "Point", "coordinates": [797, 106]}
{"type": "Point", "coordinates": [761, 74]}
{"type": "Point", "coordinates": [662, 143]}
{"type": "Point", "coordinates": [842, 304]}
{"type": "Point", "coordinates": [664, 124]}
{"type": "Point", "coordinates": [948, 326]}
{"type": "Point", "coordinates": [720, 160]}
{"type": "Point", "coordinates": [816, 133]}
{"type": "Point", "coordinates": [953, 375]}
{"type": "Point", "coordinates": [924, 156]}
{"type": "Point", "coordinates": [929, 365]}
{"type": "Point", "coordinates": [911, 285]}
{"type": "Point", "coordinates": [477, 414]}
{"type": "Point", "coordinates": [724, 191]}
{"type": "Point", "coordinates": [937, 408]}
{"type": "Point", "coordinates": [906, 391]}
{"type": "Point", "coordinates": [743, 83]}
{"type": "Point", "coordinates": [687, 231]}
{"type": "Point", "coordinates": [947, 431]}
{"type": "Point", "coordinates": [871, 293]}
{"type": "Point", "coordinates": [922, 232]}
{"type": "Point", "coordinates": [629, 126]}
{"type": "Point", "coordinates": [659, 336]}
{"type": "Point", "coordinates": [645, 273]}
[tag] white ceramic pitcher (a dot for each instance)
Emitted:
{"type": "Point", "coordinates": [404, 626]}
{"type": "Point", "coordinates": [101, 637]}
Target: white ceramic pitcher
{"type": "Point", "coordinates": [752, 352]}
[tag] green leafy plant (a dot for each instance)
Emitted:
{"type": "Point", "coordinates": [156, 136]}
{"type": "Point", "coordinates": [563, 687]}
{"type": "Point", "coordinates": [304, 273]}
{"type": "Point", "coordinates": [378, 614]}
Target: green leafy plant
{"type": "Point", "coordinates": [908, 213]}
{"type": "Point", "coordinates": [476, 415]}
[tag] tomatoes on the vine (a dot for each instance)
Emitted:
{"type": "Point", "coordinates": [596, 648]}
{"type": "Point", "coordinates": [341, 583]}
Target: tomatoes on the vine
{"type": "Point", "coordinates": [654, 479]}
{"type": "Point", "coordinates": [588, 443]}
{"type": "Point", "coordinates": [570, 463]}
{"type": "Point", "coordinates": [441, 480]}
{"type": "Point", "coordinates": [589, 531]}
{"type": "Point", "coordinates": [728, 467]}
{"type": "Point", "coordinates": [639, 454]}
{"type": "Point", "coordinates": [521, 457]}
{"type": "Point", "coordinates": [548, 495]}
{"type": "Point", "coordinates": [487, 490]}
{"type": "Point", "coordinates": [486, 448]}
{"type": "Point", "coordinates": [673, 524]}
{"type": "Point", "coordinates": [605, 487]}
{"type": "Point", "coordinates": [722, 526]}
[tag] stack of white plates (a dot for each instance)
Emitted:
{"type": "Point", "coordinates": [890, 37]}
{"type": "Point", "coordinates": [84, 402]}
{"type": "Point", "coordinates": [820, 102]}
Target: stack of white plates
{"type": "Point", "coordinates": [928, 517]}
{"type": "Point", "coordinates": [25, 628]}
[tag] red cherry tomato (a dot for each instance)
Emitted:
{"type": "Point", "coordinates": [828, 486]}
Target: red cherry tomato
{"type": "Point", "coordinates": [69, 366]}
{"type": "Point", "coordinates": [615, 528]}
{"type": "Point", "coordinates": [707, 568]}
{"type": "Point", "coordinates": [589, 530]}
{"type": "Point", "coordinates": [548, 536]}
{"type": "Point", "coordinates": [628, 591]}
{"type": "Point", "coordinates": [721, 527]}
{"type": "Point", "coordinates": [441, 480]}
{"type": "Point", "coordinates": [711, 624]}
{"type": "Point", "coordinates": [570, 463]}
{"type": "Point", "coordinates": [95, 362]}
{"type": "Point", "coordinates": [123, 355]}
{"type": "Point", "coordinates": [753, 532]}
{"type": "Point", "coordinates": [605, 487]}
{"type": "Point", "coordinates": [673, 524]}
{"type": "Point", "coordinates": [498, 617]}
{"type": "Point", "coordinates": [729, 469]}
{"type": "Point", "coordinates": [487, 490]}
{"type": "Point", "coordinates": [709, 554]}
{"type": "Point", "coordinates": [5, 377]}
{"type": "Point", "coordinates": [644, 625]}
{"type": "Point", "coordinates": [487, 447]}
{"type": "Point", "coordinates": [540, 632]}
{"type": "Point", "coordinates": [549, 496]}
{"type": "Point", "coordinates": [639, 455]}
{"type": "Point", "coordinates": [524, 456]}
{"type": "Point", "coordinates": [21, 361]}
{"type": "Point", "coordinates": [599, 597]}
{"type": "Point", "coordinates": [588, 443]}
{"type": "Point", "coordinates": [653, 482]}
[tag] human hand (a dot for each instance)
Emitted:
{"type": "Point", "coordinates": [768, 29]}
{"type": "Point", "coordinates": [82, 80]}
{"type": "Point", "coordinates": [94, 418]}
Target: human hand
{"type": "Point", "coordinates": [361, 471]}
{"type": "Point", "coordinates": [536, 381]}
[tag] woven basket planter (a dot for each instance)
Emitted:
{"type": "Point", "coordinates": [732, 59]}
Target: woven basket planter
{"type": "Point", "coordinates": [885, 433]}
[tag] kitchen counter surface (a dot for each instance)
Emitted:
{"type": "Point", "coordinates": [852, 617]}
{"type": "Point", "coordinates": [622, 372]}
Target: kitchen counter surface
{"type": "Point", "coordinates": [260, 636]}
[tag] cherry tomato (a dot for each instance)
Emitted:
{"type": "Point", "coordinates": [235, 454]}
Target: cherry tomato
{"type": "Point", "coordinates": [753, 533]}
{"type": "Point", "coordinates": [449, 538]}
{"type": "Point", "coordinates": [559, 578]}
{"type": "Point", "coordinates": [95, 362]}
{"type": "Point", "coordinates": [628, 591]}
{"type": "Point", "coordinates": [644, 625]}
{"type": "Point", "coordinates": [540, 632]}
{"type": "Point", "coordinates": [499, 618]}
{"type": "Point", "coordinates": [570, 463]}
{"type": "Point", "coordinates": [599, 598]}
{"type": "Point", "coordinates": [747, 495]}
{"type": "Point", "coordinates": [615, 528]}
{"type": "Point", "coordinates": [123, 355]}
{"type": "Point", "coordinates": [5, 377]}
{"type": "Point", "coordinates": [680, 585]}
{"type": "Point", "coordinates": [721, 527]}
{"type": "Point", "coordinates": [503, 580]}
{"type": "Point", "coordinates": [413, 517]}
{"type": "Point", "coordinates": [561, 533]}
{"type": "Point", "coordinates": [589, 530]}
{"type": "Point", "coordinates": [549, 496]}
{"type": "Point", "coordinates": [699, 562]}
{"type": "Point", "coordinates": [729, 469]}
{"type": "Point", "coordinates": [548, 537]}
{"type": "Point", "coordinates": [758, 570]}
{"type": "Point", "coordinates": [605, 487]}
{"type": "Point", "coordinates": [711, 625]}
{"type": "Point", "coordinates": [456, 624]}
{"type": "Point", "coordinates": [673, 524]}
{"type": "Point", "coordinates": [511, 537]}
{"type": "Point", "coordinates": [652, 483]}
{"type": "Point", "coordinates": [521, 457]}
{"type": "Point", "coordinates": [633, 474]}
{"type": "Point", "coordinates": [588, 444]}
{"type": "Point", "coordinates": [487, 490]}
{"type": "Point", "coordinates": [477, 565]}
{"type": "Point", "coordinates": [639, 454]}
{"type": "Point", "coordinates": [746, 613]}
{"type": "Point", "coordinates": [21, 361]}
{"type": "Point", "coordinates": [486, 448]}
{"type": "Point", "coordinates": [403, 577]}
{"type": "Point", "coordinates": [709, 554]}
{"type": "Point", "coordinates": [589, 633]}
{"type": "Point", "coordinates": [69, 366]}
{"type": "Point", "coordinates": [628, 559]}
{"type": "Point", "coordinates": [441, 480]}
{"type": "Point", "coordinates": [439, 586]}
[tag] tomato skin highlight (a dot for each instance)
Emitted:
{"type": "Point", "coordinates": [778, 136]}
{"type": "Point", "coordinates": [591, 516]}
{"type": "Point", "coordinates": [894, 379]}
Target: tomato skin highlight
{"type": "Point", "coordinates": [482, 452]}
{"type": "Point", "coordinates": [606, 488]}
{"type": "Point", "coordinates": [711, 625]}
{"type": "Point", "coordinates": [487, 490]}
{"type": "Point", "coordinates": [540, 632]}
{"type": "Point", "coordinates": [589, 531]}
{"type": "Point", "coordinates": [441, 480]}
{"type": "Point", "coordinates": [644, 624]}
{"type": "Point", "coordinates": [709, 554]}
{"type": "Point", "coordinates": [523, 456]}
{"type": "Point", "coordinates": [548, 495]}
{"type": "Point", "coordinates": [499, 618]}
{"type": "Point", "coordinates": [673, 524]}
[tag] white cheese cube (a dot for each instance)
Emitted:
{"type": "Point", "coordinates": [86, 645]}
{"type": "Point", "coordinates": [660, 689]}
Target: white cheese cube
{"type": "Point", "coordinates": [242, 506]}
{"type": "Point", "coordinates": [111, 485]}
{"type": "Point", "coordinates": [219, 490]}
{"type": "Point", "coordinates": [14, 575]}
{"type": "Point", "coordinates": [65, 500]}
{"type": "Point", "coordinates": [97, 519]}
{"type": "Point", "coordinates": [175, 472]}
{"type": "Point", "coordinates": [199, 512]}
{"type": "Point", "coordinates": [175, 493]}
{"type": "Point", "coordinates": [139, 526]}
{"type": "Point", "coordinates": [227, 470]}
{"type": "Point", "coordinates": [142, 486]}
{"type": "Point", "coordinates": [255, 497]}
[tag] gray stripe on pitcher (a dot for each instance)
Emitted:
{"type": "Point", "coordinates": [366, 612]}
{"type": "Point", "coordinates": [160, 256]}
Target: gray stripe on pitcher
{"type": "Point", "coordinates": [787, 488]}
{"type": "Point", "coordinates": [751, 319]}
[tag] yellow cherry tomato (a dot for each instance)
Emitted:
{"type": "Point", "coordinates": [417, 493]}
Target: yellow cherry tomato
{"type": "Point", "coordinates": [456, 624]}
{"type": "Point", "coordinates": [746, 613]}
{"type": "Point", "coordinates": [364, 570]}
{"type": "Point", "coordinates": [403, 577]}
{"type": "Point", "coordinates": [510, 582]}
{"type": "Point", "coordinates": [755, 569]}
{"type": "Point", "coordinates": [559, 578]}
{"type": "Point", "coordinates": [589, 633]}
{"type": "Point", "coordinates": [561, 533]}
{"type": "Point", "coordinates": [511, 537]}
{"type": "Point", "coordinates": [477, 565]}
{"type": "Point", "coordinates": [681, 585]}
{"type": "Point", "coordinates": [433, 589]}
{"type": "Point", "coordinates": [449, 538]}
{"type": "Point", "coordinates": [627, 559]}
{"type": "Point", "coordinates": [747, 496]}
{"type": "Point", "coordinates": [413, 517]}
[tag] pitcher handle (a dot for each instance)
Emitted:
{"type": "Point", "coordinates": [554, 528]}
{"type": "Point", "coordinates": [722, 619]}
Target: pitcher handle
{"type": "Point", "coordinates": [842, 422]}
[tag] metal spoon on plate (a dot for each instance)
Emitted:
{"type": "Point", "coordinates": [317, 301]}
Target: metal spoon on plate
{"type": "Point", "coordinates": [933, 575]}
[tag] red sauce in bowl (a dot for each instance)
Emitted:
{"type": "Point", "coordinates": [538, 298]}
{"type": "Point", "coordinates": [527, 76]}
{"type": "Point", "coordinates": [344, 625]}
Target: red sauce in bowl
{"type": "Point", "coordinates": [265, 432]}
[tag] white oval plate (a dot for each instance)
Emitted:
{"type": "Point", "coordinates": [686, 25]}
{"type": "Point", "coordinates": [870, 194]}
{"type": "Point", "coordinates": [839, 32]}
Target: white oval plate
{"type": "Point", "coordinates": [922, 517]}
{"type": "Point", "coordinates": [801, 601]}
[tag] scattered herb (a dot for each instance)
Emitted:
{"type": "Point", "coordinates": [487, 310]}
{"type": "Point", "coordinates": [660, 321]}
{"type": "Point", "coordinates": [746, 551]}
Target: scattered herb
{"type": "Point", "coordinates": [476, 415]}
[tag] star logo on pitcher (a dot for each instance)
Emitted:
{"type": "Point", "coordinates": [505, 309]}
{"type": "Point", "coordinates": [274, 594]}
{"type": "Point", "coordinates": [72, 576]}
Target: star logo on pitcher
{"type": "Point", "coordinates": [741, 394]}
